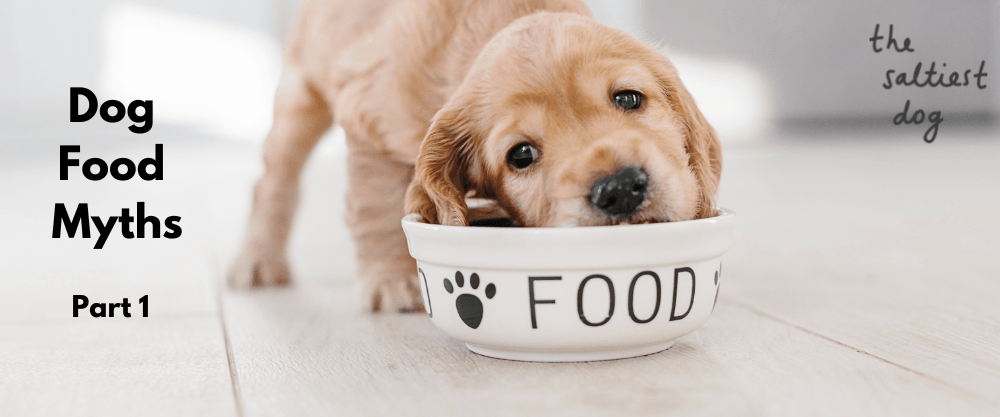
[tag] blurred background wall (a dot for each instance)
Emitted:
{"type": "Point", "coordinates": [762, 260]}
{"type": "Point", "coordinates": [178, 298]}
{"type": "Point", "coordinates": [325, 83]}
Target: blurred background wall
{"type": "Point", "coordinates": [213, 64]}
{"type": "Point", "coordinates": [818, 62]}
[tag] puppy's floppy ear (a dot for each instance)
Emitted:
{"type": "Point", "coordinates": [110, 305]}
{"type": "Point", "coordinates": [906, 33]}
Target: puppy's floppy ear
{"type": "Point", "coordinates": [437, 191]}
{"type": "Point", "coordinates": [701, 142]}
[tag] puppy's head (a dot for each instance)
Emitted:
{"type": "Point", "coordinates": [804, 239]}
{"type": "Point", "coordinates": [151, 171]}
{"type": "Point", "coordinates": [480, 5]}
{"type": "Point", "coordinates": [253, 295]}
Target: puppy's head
{"type": "Point", "coordinates": [566, 122]}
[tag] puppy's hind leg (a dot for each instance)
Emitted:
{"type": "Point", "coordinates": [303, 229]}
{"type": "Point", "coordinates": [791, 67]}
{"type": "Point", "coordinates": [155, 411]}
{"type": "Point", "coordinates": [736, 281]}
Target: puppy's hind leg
{"type": "Point", "coordinates": [387, 273]}
{"type": "Point", "coordinates": [300, 119]}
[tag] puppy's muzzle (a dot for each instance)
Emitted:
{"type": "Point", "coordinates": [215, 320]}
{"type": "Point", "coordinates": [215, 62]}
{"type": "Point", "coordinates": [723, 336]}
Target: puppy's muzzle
{"type": "Point", "coordinates": [620, 194]}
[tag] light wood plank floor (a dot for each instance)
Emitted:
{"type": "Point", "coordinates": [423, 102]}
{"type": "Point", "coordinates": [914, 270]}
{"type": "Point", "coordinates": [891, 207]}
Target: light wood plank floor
{"type": "Point", "coordinates": [862, 281]}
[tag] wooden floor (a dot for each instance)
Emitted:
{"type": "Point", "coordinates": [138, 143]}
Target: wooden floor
{"type": "Point", "coordinates": [862, 280]}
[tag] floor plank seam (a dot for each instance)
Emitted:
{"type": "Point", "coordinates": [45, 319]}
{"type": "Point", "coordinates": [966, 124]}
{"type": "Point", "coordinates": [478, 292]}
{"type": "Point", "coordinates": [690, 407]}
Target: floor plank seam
{"type": "Point", "coordinates": [237, 395]}
{"type": "Point", "coordinates": [220, 286]}
{"type": "Point", "coordinates": [811, 332]}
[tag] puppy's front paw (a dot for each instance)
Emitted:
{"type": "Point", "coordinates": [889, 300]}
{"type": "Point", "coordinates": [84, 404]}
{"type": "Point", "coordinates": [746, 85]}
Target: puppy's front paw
{"type": "Point", "coordinates": [257, 267]}
{"type": "Point", "coordinates": [394, 294]}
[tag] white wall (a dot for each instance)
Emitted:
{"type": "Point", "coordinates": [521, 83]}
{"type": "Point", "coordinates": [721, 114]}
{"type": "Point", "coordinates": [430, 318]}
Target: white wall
{"type": "Point", "coordinates": [139, 48]}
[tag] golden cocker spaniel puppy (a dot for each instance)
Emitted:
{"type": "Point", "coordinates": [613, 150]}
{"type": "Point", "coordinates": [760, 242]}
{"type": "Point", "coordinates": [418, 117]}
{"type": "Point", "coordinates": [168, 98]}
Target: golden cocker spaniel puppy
{"type": "Point", "coordinates": [529, 104]}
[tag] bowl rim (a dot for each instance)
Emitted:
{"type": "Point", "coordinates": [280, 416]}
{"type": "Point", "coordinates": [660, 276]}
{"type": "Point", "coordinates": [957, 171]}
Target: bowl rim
{"type": "Point", "coordinates": [412, 221]}
{"type": "Point", "coordinates": [554, 248]}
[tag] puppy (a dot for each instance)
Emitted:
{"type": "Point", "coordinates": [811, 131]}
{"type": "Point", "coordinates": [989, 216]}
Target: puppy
{"type": "Point", "coordinates": [529, 104]}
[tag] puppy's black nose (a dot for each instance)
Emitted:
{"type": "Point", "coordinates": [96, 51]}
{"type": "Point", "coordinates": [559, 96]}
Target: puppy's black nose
{"type": "Point", "coordinates": [619, 194]}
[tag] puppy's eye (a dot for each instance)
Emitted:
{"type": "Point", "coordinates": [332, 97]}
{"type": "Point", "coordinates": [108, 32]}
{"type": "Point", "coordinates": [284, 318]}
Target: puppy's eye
{"type": "Point", "coordinates": [628, 100]}
{"type": "Point", "coordinates": [522, 155]}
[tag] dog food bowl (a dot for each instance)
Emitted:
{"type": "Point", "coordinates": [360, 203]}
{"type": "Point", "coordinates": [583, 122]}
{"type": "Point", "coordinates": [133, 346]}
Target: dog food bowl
{"type": "Point", "coordinates": [570, 294]}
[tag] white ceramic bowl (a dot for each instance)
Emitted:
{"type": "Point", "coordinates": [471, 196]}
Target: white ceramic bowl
{"type": "Point", "coordinates": [570, 294]}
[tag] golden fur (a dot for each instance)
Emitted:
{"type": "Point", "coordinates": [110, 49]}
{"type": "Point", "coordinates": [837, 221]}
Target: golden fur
{"type": "Point", "coordinates": [451, 86]}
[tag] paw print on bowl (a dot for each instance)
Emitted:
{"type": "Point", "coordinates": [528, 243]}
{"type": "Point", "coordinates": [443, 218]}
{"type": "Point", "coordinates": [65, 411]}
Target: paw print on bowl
{"type": "Point", "coordinates": [469, 306]}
